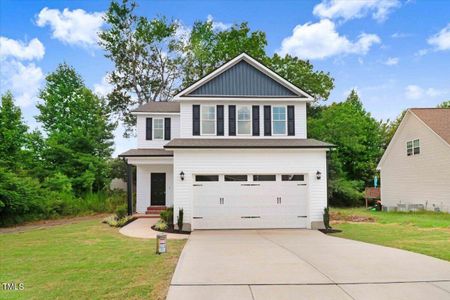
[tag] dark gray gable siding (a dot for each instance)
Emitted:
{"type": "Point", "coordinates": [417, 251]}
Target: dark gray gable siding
{"type": "Point", "coordinates": [245, 80]}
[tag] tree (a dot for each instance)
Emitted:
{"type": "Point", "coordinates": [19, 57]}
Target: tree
{"type": "Point", "coordinates": [208, 48]}
{"type": "Point", "coordinates": [78, 128]}
{"type": "Point", "coordinates": [147, 58]}
{"type": "Point", "coordinates": [302, 74]}
{"type": "Point", "coordinates": [12, 133]}
{"type": "Point", "coordinates": [359, 139]}
{"type": "Point", "coordinates": [445, 104]}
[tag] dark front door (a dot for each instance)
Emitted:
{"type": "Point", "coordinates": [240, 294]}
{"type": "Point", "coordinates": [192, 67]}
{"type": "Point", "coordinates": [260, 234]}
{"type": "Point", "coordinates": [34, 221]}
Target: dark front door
{"type": "Point", "coordinates": [158, 189]}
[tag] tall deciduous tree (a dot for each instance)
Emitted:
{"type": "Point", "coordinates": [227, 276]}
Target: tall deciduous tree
{"type": "Point", "coordinates": [78, 128]}
{"type": "Point", "coordinates": [359, 140]}
{"type": "Point", "coordinates": [12, 133]}
{"type": "Point", "coordinates": [445, 104]}
{"type": "Point", "coordinates": [147, 58]}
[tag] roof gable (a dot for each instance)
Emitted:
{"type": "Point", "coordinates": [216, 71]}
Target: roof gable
{"type": "Point", "coordinates": [243, 77]}
{"type": "Point", "coordinates": [438, 119]}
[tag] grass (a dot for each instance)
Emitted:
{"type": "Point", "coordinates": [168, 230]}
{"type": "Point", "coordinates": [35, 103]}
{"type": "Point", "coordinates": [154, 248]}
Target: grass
{"type": "Point", "coordinates": [86, 260]}
{"type": "Point", "coordinates": [422, 232]}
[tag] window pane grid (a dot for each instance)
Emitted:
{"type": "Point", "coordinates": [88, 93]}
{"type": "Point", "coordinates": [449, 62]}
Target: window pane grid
{"type": "Point", "coordinates": [208, 119]}
{"type": "Point", "coordinates": [244, 120]}
{"type": "Point", "coordinates": [158, 129]}
{"type": "Point", "coordinates": [279, 120]}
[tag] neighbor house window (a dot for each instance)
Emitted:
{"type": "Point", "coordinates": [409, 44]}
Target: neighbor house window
{"type": "Point", "coordinates": [208, 119]}
{"type": "Point", "coordinates": [158, 129]}
{"type": "Point", "coordinates": [244, 120]}
{"type": "Point", "coordinates": [416, 146]}
{"type": "Point", "coordinates": [279, 120]}
{"type": "Point", "coordinates": [293, 177]}
{"type": "Point", "coordinates": [235, 177]}
{"type": "Point", "coordinates": [207, 178]}
{"type": "Point", "coordinates": [264, 177]}
{"type": "Point", "coordinates": [412, 147]}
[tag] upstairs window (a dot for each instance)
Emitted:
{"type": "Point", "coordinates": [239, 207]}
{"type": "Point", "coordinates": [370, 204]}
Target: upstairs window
{"type": "Point", "coordinates": [279, 120]}
{"type": "Point", "coordinates": [244, 120]}
{"type": "Point", "coordinates": [208, 119]}
{"type": "Point", "coordinates": [413, 147]}
{"type": "Point", "coordinates": [158, 129]}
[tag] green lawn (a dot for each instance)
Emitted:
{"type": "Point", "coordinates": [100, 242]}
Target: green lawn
{"type": "Point", "coordinates": [423, 232]}
{"type": "Point", "coordinates": [86, 260]}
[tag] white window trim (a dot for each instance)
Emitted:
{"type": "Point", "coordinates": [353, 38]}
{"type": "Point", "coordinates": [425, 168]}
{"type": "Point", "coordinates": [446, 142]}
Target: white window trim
{"type": "Point", "coordinates": [286, 121]}
{"type": "Point", "coordinates": [153, 129]}
{"type": "Point", "coordinates": [412, 147]}
{"type": "Point", "coordinates": [201, 120]}
{"type": "Point", "coordinates": [237, 120]}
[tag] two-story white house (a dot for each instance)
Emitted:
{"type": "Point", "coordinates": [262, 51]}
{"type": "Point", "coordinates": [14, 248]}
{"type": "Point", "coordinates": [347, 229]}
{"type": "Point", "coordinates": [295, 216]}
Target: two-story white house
{"type": "Point", "coordinates": [232, 151]}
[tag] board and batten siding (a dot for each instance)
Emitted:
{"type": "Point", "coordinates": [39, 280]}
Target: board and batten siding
{"type": "Point", "coordinates": [416, 179]}
{"type": "Point", "coordinates": [141, 130]}
{"type": "Point", "coordinates": [246, 161]}
{"type": "Point", "coordinates": [186, 118]}
{"type": "Point", "coordinates": [242, 79]}
{"type": "Point", "coordinates": [143, 184]}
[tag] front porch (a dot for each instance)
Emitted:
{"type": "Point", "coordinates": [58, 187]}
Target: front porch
{"type": "Point", "coordinates": [154, 181]}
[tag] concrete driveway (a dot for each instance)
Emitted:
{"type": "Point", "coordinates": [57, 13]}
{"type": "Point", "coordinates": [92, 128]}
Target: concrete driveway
{"type": "Point", "coordinates": [302, 264]}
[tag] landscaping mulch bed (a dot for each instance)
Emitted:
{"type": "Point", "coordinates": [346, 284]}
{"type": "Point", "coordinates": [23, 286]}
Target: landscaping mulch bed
{"type": "Point", "coordinates": [336, 216]}
{"type": "Point", "coordinates": [171, 229]}
{"type": "Point", "coordinates": [327, 231]}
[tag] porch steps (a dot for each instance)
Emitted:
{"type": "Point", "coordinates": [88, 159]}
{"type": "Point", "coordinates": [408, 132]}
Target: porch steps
{"type": "Point", "coordinates": [155, 210]}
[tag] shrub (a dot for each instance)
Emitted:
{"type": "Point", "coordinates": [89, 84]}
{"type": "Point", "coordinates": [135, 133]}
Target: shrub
{"type": "Point", "coordinates": [121, 211]}
{"type": "Point", "coordinates": [167, 216]}
{"type": "Point", "coordinates": [180, 219]}
{"type": "Point", "coordinates": [326, 218]}
{"type": "Point", "coordinates": [161, 225]}
{"type": "Point", "coordinates": [58, 182]}
{"type": "Point", "coordinates": [114, 221]}
{"type": "Point", "coordinates": [345, 192]}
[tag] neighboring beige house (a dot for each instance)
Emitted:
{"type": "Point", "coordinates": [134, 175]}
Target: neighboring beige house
{"type": "Point", "coordinates": [415, 168]}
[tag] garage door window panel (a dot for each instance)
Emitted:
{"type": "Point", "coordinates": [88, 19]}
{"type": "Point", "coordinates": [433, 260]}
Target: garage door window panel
{"type": "Point", "coordinates": [264, 177]}
{"type": "Point", "coordinates": [236, 177]}
{"type": "Point", "coordinates": [204, 178]}
{"type": "Point", "coordinates": [293, 177]}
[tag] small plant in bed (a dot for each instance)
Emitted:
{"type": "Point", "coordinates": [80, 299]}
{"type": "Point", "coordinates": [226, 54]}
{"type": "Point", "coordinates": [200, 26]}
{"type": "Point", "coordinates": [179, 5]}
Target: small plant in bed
{"type": "Point", "coordinates": [165, 224]}
{"type": "Point", "coordinates": [326, 222]}
{"type": "Point", "coordinates": [120, 219]}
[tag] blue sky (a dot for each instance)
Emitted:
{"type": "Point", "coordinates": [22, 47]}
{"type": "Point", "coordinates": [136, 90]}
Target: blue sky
{"type": "Point", "coordinates": [395, 53]}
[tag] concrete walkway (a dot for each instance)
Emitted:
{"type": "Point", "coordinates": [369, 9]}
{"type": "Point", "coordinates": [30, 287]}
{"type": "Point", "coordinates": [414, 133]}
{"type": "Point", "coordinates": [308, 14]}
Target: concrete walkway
{"type": "Point", "coordinates": [142, 228]}
{"type": "Point", "coordinates": [302, 264]}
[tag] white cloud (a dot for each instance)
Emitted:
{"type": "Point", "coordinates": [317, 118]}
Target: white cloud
{"type": "Point", "coordinates": [441, 40]}
{"type": "Point", "coordinates": [415, 92]}
{"type": "Point", "coordinates": [220, 26]}
{"type": "Point", "coordinates": [20, 50]}
{"type": "Point", "coordinates": [392, 61]}
{"type": "Point", "coordinates": [400, 35]}
{"type": "Point", "coordinates": [346, 9]}
{"type": "Point", "coordinates": [103, 88]}
{"type": "Point", "coordinates": [22, 80]}
{"type": "Point", "coordinates": [76, 27]}
{"type": "Point", "coordinates": [320, 40]}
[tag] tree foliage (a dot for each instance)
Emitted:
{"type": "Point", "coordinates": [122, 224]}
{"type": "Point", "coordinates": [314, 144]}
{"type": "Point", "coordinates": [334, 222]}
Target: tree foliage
{"type": "Point", "coordinates": [79, 132]}
{"type": "Point", "coordinates": [445, 104]}
{"type": "Point", "coordinates": [359, 140]}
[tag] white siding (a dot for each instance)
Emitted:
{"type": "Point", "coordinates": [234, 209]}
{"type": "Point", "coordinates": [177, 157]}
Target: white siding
{"type": "Point", "coordinates": [416, 179]}
{"type": "Point", "coordinates": [141, 130]}
{"type": "Point", "coordinates": [270, 161]}
{"type": "Point", "coordinates": [186, 118]}
{"type": "Point", "coordinates": [143, 185]}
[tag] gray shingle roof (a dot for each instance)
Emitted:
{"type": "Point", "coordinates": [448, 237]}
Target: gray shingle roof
{"type": "Point", "coordinates": [160, 107]}
{"type": "Point", "coordinates": [207, 143]}
{"type": "Point", "coordinates": [146, 153]}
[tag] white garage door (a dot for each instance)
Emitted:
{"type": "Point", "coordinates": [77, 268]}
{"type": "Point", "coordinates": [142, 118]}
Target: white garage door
{"type": "Point", "coordinates": [234, 201]}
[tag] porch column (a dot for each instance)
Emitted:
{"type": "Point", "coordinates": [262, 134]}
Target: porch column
{"type": "Point", "coordinates": [130, 188]}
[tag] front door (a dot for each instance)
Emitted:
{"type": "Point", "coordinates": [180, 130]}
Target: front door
{"type": "Point", "coordinates": [158, 189]}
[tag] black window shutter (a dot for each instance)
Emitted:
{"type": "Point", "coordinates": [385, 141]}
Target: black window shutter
{"type": "Point", "coordinates": [195, 119]}
{"type": "Point", "coordinates": [267, 120]}
{"type": "Point", "coordinates": [167, 129]}
{"type": "Point", "coordinates": [291, 120]}
{"type": "Point", "coordinates": [148, 129]}
{"type": "Point", "coordinates": [255, 118]}
{"type": "Point", "coordinates": [231, 120]}
{"type": "Point", "coordinates": [220, 130]}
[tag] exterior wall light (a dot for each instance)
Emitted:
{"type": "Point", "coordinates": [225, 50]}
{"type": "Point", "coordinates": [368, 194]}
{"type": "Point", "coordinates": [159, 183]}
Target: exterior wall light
{"type": "Point", "coordinates": [182, 175]}
{"type": "Point", "coordinates": [318, 175]}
